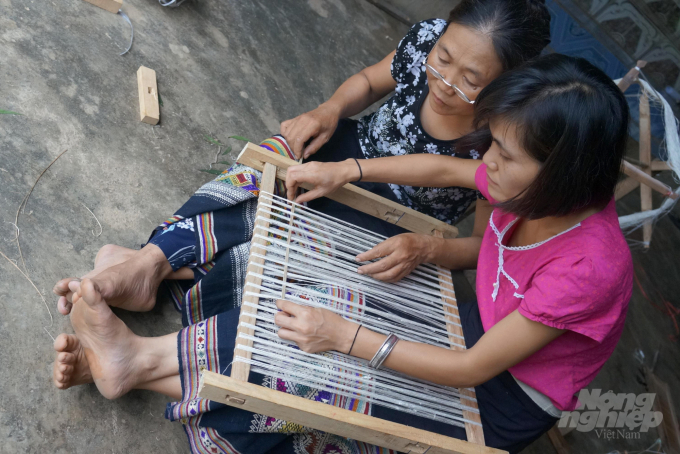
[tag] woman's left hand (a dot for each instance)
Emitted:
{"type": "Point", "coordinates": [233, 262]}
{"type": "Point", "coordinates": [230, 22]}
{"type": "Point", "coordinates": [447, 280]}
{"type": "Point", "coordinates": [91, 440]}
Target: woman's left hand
{"type": "Point", "coordinates": [398, 255]}
{"type": "Point", "coordinates": [314, 329]}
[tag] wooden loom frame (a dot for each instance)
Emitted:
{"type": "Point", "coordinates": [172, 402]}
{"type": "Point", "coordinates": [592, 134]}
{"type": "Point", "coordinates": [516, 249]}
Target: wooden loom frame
{"type": "Point", "coordinates": [637, 176]}
{"type": "Point", "coordinates": [237, 392]}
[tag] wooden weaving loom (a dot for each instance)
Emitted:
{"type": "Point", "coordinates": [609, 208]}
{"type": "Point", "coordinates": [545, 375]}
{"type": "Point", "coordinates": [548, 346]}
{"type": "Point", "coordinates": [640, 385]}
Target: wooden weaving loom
{"type": "Point", "coordinates": [277, 267]}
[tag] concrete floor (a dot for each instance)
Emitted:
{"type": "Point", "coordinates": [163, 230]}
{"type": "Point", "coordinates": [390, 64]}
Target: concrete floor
{"type": "Point", "coordinates": [228, 67]}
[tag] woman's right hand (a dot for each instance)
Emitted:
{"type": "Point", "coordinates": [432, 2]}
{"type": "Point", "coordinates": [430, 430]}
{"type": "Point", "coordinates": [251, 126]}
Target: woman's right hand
{"type": "Point", "coordinates": [325, 177]}
{"type": "Point", "coordinates": [318, 124]}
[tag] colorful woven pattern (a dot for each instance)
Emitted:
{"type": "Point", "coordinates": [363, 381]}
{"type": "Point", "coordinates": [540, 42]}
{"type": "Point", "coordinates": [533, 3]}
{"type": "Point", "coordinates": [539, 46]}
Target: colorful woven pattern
{"type": "Point", "coordinates": [278, 144]}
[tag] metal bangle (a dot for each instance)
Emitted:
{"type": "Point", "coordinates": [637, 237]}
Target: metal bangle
{"type": "Point", "coordinates": [384, 351]}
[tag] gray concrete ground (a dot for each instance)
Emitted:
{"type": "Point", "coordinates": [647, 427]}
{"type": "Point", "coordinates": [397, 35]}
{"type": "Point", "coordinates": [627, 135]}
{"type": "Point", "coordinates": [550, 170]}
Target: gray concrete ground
{"type": "Point", "coordinates": [224, 68]}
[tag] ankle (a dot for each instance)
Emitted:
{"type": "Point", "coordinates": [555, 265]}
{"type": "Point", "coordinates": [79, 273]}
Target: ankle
{"type": "Point", "coordinates": [156, 357]}
{"type": "Point", "coordinates": [156, 259]}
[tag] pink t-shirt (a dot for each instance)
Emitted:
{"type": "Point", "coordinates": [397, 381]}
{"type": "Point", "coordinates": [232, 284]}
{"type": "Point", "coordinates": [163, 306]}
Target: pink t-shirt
{"type": "Point", "coordinates": [580, 280]}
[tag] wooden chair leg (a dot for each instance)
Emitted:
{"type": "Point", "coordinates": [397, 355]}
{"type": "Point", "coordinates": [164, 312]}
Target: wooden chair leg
{"type": "Point", "coordinates": [646, 159]}
{"type": "Point", "coordinates": [558, 441]}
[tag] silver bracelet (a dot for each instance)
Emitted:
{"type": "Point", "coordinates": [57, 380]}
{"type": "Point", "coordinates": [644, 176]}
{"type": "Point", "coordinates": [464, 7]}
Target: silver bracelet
{"type": "Point", "coordinates": [384, 351]}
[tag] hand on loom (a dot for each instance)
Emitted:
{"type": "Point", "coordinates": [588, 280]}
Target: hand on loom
{"type": "Point", "coordinates": [399, 256]}
{"type": "Point", "coordinates": [326, 177]}
{"type": "Point", "coordinates": [317, 125]}
{"type": "Point", "coordinates": [314, 329]}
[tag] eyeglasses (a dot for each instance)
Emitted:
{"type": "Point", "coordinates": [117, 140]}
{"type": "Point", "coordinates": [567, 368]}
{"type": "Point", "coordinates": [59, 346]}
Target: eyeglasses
{"type": "Point", "coordinates": [458, 91]}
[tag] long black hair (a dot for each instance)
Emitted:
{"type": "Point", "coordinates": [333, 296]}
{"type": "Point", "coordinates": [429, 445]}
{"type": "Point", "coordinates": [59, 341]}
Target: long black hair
{"type": "Point", "coordinates": [571, 118]}
{"type": "Point", "coordinates": [519, 29]}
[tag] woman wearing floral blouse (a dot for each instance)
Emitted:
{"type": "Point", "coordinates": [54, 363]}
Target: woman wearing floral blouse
{"type": "Point", "coordinates": [436, 73]}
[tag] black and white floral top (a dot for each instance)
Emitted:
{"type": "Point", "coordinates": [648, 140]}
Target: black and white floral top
{"type": "Point", "coordinates": [395, 128]}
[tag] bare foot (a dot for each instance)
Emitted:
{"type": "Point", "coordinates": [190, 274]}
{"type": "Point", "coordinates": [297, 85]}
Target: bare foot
{"type": "Point", "coordinates": [108, 256]}
{"type": "Point", "coordinates": [108, 345]}
{"type": "Point", "coordinates": [130, 284]}
{"type": "Point", "coordinates": [70, 367]}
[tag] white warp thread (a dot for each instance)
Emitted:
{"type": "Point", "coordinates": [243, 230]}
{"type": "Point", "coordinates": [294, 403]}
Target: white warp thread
{"type": "Point", "coordinates": [313, 250]}
{"type": "Point", "coordinates": [634, 221]}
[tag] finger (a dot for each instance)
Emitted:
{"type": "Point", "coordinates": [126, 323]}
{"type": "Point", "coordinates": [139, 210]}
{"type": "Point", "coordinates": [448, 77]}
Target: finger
{"type": "Point", "coordinates": [311, 195]}
{"type": "Point", "coordinates": [292, 183]}
{"type": "Point", "coordinates": [303, 134]}
{"type": "Point", "coordinates": [392, 275]}
{"type": "Point", "coordinates": [287, 306]}
{"type": "Point", "coordinates": [284, 320]}
{"type": "Point", "coordinates": [380, 250]}
{"type": "Point", "coordinates": [314, 146]}
{"type": "Point", "coordinates": [289, 335]}
{"type": "Point", "coordinates": [285, 126]}
{"type": "Point", "coordinates": [380, 266]}
{"type": "Point", "coordinates": [298, 143]}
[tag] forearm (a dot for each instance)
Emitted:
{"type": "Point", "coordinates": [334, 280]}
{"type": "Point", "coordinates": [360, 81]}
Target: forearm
{"type": "Point", "coordinates": [454, 254]}
{"type": "Point", "coordinates": [353, 96]}
{"type": "Point", "coordinates": [435, 364]}
{"type": "Point", "coordinates": [414, 170]}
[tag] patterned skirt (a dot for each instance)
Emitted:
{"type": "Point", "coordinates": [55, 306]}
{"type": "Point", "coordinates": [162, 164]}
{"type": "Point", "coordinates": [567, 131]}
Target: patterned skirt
{"type": "Point", "coordinates": [211, 234]}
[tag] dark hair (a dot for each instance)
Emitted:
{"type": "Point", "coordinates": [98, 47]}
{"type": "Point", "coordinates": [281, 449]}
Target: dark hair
{"type": "Point", "coordinates": [519, 29]}
{"type": "Point", "coordinates": [571, 118]}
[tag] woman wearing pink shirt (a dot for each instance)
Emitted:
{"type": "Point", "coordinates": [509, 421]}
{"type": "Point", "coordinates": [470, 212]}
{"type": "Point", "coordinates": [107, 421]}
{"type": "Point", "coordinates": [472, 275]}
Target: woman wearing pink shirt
{"type": "Point", "coordinates": [553, 282]}
{"type": "Point", "coordinates": [554, 272]}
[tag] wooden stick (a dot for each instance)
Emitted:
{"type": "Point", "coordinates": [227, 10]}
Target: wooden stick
{"type": "Point", "coordinates": [329, 418]}
{"type": "Point", "coordinates": [658, 166]}
{"type": "Point", "coordinates": [645, 176]}
{"type": "Point", "coordinates": [255, 156]}
{"type": "Point", "coordinates": [646, 159]}
{"type": "Point", "coordinates": [669, 431]}
{"type": "Point", "coordinates": [558, 441]}
{"type": "Point", "coordinates": [474, 433]}
{"type": "Point", "coordinates": [241, 370]}
{"type": "Point", "coordinates": [149, 110]}
{"type": "Point", "coordinates": [112, 6]}
{"type": "Point", "coordinates": [632, 76]}
{"type": "Point", "coordinates": [625, 187]}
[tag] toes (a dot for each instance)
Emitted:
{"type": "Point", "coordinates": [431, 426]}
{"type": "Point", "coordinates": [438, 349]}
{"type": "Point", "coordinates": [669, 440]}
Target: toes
{"type": "Point", "coordinates": [66, 343]}
{"type": "Point", "coordinates": [61, 287]}
{"type": "Point", "coordinates": [66, 358]}
{"type": "Point", "coordinates": [90, 293]}
{"type": "Point", "coordinates": [74, 285]}
{"type": "Point", "coordinates": [64, 306]}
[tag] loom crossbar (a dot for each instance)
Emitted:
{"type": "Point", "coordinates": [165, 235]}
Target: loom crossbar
{"type": "Point", "coordinates": [236, 391]}
{"type": "Point", "coordinates": [353, 196]}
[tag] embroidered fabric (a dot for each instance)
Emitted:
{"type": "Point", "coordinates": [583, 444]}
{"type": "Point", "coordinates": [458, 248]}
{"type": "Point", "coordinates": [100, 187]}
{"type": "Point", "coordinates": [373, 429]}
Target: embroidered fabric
{"type": "Point", "coordinates": [502, 248]}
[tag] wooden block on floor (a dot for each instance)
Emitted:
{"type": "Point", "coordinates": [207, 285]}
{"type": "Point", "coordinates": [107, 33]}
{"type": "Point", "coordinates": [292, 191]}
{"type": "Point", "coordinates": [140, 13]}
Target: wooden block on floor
{"type": "Point", "coordinates": [109, 5]}
{"type": "Point", "coordinates": [149, 111]}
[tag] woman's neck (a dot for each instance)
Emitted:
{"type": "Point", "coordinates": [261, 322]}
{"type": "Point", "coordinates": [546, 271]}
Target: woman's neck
{"type": "Point", "coordinates": [443, 127]}
{"type": "Point", "coordinates": [534, 231]}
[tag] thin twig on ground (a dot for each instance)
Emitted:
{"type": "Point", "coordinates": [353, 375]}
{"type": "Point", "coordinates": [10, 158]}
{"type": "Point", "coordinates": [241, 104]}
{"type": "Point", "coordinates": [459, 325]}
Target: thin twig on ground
{"type": "Point", "coordinates": [23, 204]}
{"type": "Point", "coordinates": [36, 289]}
{"type": "Point", "coordinates": [95, 218]}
